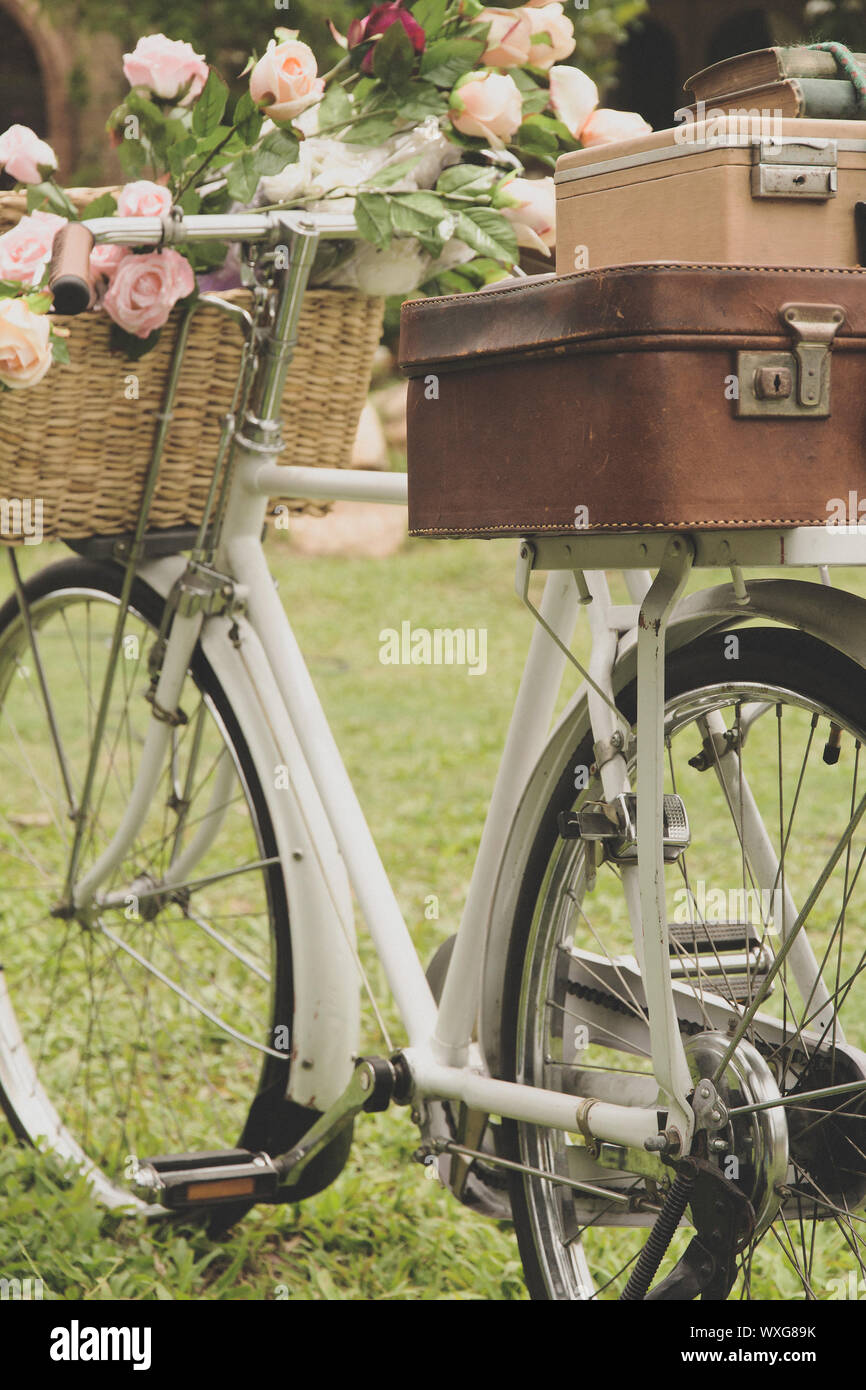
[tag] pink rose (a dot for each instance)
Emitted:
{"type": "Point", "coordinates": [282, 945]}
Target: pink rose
{"type": "Point", "coordinates": [105, 259]}
{"type": "Point", "coordinates": [284, 81]}
{"type": "Point", "coordinates": [23, 155]}
{"type": "Point", "coordinates": [604, 127]}
{"type": "Point", "coordinates": [25, 344]}
{"type": "Point", "coordinates": [143, 199]}
{"type": "Point", "coordinates": [487, 105]}
{"type": "Point", "coordinates": [573, 96]}
{"type": "Point", "coordinates": [508, 38]}
{"type": "Point", "coordinates": [25, 249]}
{"type": "Point", "coordinates": [530, 206]}
{"type": "Point", "coordinates": [144, 290]}
{"type": "Point", "coordinates": [549, 21]}
{"type": "Point", "coordinates": [166, 67]}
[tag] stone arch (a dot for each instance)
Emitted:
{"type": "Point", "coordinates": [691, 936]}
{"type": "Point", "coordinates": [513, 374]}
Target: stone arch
{"type": "Point", "coordinates": [649, 64]}
{"type": "Point", "coordinates": [740, 33]}
{"type": "Point", "coordinates": [50, 55]}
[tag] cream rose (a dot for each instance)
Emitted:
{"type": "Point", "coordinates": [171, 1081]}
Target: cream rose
{"type": "Point", "coordinates": [508, 39]}
{"type": "Point", "coordinates": [605, 126]}
{"type": "Point", "coordinates": [166, 67]}
{"type": "Point", "coordinates": [573, 97]}
{"type": "Point", "coordinates": [145, 289]}
{"type": "Point", "coordinates": [530, 206]}
{"type": "Point", "coordinates": [25, 344]}
{"type": "Point", "coordinates": [24, 156]}
{"type": "Point", "coordinates": [25, 249]}
{"type": "Point", "coordinates": [284, 82]}
{"type": "Point", "coordinates": [487, 105]}
{"type": "Point", "coordinates": [559, 43]}
{"type": "Point", "coordinates": [143, 199]}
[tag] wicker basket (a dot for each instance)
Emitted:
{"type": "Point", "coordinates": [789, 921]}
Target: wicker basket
{"type": "Point", "coordinates": [81, 440]}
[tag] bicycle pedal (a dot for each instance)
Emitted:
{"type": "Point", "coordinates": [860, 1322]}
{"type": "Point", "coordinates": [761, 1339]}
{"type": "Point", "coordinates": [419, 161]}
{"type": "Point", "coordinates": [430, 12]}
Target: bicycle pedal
{"type": "Point", "coordinates": [730, 959]}
{"type": "Point", "coordinates": [615, 824]}
{"type": "Point", "coordinates": [207, 1178]}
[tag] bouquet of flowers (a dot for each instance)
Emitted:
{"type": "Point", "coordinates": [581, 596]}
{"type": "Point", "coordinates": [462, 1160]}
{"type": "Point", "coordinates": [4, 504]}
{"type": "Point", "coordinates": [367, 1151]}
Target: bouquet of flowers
{"type": "Point", "coordinates": [424, 130]}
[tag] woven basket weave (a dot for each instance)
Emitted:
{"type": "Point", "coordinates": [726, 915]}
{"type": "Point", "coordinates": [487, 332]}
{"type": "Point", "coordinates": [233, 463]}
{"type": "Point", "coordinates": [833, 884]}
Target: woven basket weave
{"type": "Point", "coordinates": [81, 439]}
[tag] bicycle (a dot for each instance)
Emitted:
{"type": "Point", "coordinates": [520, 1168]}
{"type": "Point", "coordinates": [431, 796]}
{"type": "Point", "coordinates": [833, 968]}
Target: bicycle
{"type": "Point", "coordinates": [658, 1095]}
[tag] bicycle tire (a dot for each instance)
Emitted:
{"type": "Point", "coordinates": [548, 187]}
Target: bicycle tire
{"type": "Point", "coordinates": [807, 677]}
{"type": "Point", "coordinates": [109, 1105]}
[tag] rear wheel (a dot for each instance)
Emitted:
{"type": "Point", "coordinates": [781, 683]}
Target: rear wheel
{"type": "Point", "coordinates": [574, 1015]}
{"type": "Point", "coordinates": [160, 1023]}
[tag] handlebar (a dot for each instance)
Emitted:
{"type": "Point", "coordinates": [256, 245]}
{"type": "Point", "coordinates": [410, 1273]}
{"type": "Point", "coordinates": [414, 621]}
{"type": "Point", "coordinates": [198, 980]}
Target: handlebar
{"type": "Point", "coordinates": [70, 277]}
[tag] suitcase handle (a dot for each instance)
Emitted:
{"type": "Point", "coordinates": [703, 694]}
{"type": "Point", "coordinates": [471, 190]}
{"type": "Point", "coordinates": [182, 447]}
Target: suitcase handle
{"type": "Point", "coordinates": [860, 232]}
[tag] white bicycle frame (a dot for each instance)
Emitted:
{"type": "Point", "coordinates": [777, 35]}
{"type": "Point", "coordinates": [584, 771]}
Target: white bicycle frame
{"type": "Point", "coordinates": [320, 826]}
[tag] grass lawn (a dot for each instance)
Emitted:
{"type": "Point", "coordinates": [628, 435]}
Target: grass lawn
{"type": "Point", "coordinates": [422, 745]}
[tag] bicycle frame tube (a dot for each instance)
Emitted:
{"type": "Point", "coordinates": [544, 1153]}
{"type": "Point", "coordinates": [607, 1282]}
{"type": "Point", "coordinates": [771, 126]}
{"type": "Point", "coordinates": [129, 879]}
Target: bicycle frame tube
{"type": "Point", "coordinates": [442, 1058]}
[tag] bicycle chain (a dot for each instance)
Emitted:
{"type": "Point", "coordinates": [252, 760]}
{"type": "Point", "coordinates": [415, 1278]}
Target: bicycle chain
{"type": "Point", "coordinates": [687, 1026]}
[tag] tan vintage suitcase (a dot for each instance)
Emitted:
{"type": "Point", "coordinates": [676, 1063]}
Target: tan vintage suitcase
{"type": "Point", "coordinates": [662, 396]}
{"type": "Point", "coordinates": [751, 192]}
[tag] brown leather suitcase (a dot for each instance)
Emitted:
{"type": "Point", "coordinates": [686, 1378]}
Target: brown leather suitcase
{"type": "Point", "coordinates": [645, 396]}
{"type": "Point", "coordinates": [763, 192]}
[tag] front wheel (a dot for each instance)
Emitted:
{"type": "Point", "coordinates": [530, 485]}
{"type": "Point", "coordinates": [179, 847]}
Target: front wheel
{"type": "Point", "coordinates": [789, 714]}
{"type": "Point", "coordinates": [162, 1021]}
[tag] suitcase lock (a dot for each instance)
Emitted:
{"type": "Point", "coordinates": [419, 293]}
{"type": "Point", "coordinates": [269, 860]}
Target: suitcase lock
{"type": "Point", "coordinates": [792, 384]}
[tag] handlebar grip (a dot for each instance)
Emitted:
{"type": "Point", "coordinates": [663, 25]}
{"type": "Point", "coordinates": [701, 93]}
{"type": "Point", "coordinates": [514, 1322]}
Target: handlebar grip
{"type": "Point", "coordinates": [69, 279]}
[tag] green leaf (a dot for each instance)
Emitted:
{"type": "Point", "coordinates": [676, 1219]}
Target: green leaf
{"type": "Point", "coordinates": [430, 14]}
{"type": "Point", "coordinates": [103, 206]}
{"type": "Point", "coordinates": [467, 179]}
{"type": "Point", "coordinates": [394, 57]}
{"type": "Point", "coordinates": [371, 131]}
{"type": "Point", "coordinates": [335, 108]}
{"type": "Point", "coordinates": [129, 344]}
{"type": "Point", "coordinates": [208, 109]}
{"type": "Point", "coordinates": [392, 173]}
{"type": "Point", "coordinates": [59, 350]}
{"type": "Point", "coordinates": [190, 201]}
{"type": "Point", "coordinates": [448, 282]}
{"type": "Point", "coordinates": [243, 178]}
{"type": "Point", "coordinates": [205, 256]}
{"type": "Point", "coordinates": [446, 60]}
{"type": "Point", "coordinates": [146, 110]}
{"type": "Point", "coordinates": [248, 119]}
{"type": "Point", "coordinates": [279, 148]}
{"type": "Point", "coordinates": [488, 233]}
{"type": "Point", "coordinates": [38, 303]}
{"type": "Point", "coordinates": [374, 218]}
{"type": "Point", "coordinates": [535, 98]}
{"type": "Point", "coordinates": [10, 289]}
{"type": "Point", "coordinates": [47, 195]}
{"type": "Point", "coordinates": [535, 139]}
{"type": "Point", "coordinates": [422, 99]}
{"type": "Point", "coordinates": [132, 157]}
{"type": "Point", "coordinates": [206, 143]}
{"type": "Point", "coordinates": [429, 205]}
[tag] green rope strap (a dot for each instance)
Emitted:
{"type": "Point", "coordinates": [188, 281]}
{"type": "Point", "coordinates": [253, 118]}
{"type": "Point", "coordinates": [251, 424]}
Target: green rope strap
{"type": "Point", "coordinates": [848, 66]}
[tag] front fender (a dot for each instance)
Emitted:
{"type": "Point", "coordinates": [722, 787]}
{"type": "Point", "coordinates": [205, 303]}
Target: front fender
{"type": "Point", "coordinates": [326, 1023]}
{"type": "Point", "coordinates": [830, 615]}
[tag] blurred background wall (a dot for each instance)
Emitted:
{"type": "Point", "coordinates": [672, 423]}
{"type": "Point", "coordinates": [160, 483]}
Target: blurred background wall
{"type": "Point", "coordinates": [60, 60]}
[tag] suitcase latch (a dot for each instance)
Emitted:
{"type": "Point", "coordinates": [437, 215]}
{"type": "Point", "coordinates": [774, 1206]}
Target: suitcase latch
{"type": "Point", "coordinates": [795, 167]}
{"type": "Point", "coordinates": [792, 384]}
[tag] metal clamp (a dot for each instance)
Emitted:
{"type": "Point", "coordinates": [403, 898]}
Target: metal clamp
{"type": "Point", "coordinates": [795, 168]}
{"type": "Point", "coordinates": [792, 384]}
{"type": "Point", "coordinates": [813, 327]}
